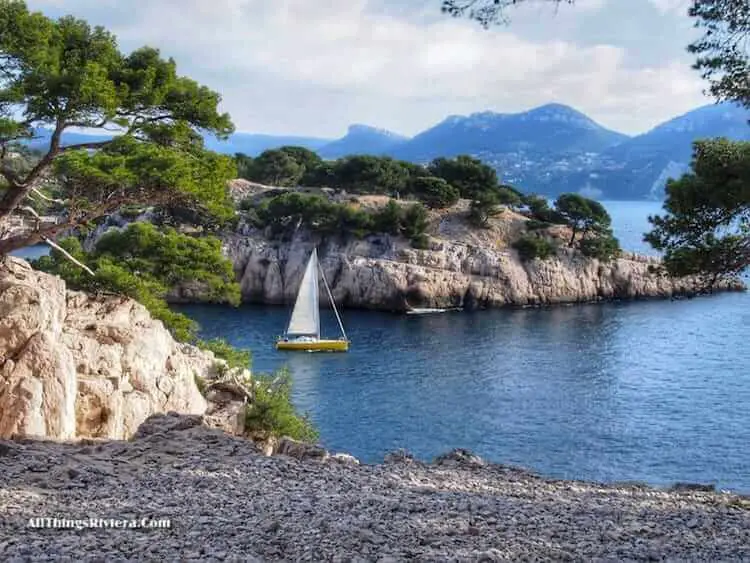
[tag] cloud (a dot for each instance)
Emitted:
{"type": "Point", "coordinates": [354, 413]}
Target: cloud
{"type": "Point", "coordinates": [671, 6]}
{"type": "Point", "coordinates": [313, 67]}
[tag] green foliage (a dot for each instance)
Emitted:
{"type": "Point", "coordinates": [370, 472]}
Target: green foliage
{"type": "Point", "coordinates": [421, 241]}
{"type": "Point", "coordinates": [486, 12]}
{"type": "Point", "coordinates": [64, 73]}
{"type": "Point", "coordinates": [306, 158]}
{"type": "Point", "coordinates": [388, 218]}
{"type": "Point", "coordinates": [286, 213]}
{"type": "Point", "coordinates": [234, 357]}
{"type": "Point", "coordinates": [536, 225]}
{"type": "Point", "coordinates": [322, 175]}
{"type": "Point", "coordinates": [507, 195]}
{"type": "Point", "coordinates": [114, 278]}
{"type": "Point", "coordinates": [604, 247]}
{"type": "Point", "coordinates": [705, 229]}
{"type": "Point", "coordinates": [723, 49]}
{"type": "Point", "coordinates": [487, 204]}
{"type": "Point", "coordinates": [540, 210]}
{"type": "Point", "coordinates": [172, 258]}
{"type": "Point", "coordinates": [436, 193]}
{"type": "Point", "coordinates": [531, 247]}
{"type": "Point", "coordinates": [144, 264]}
{"type": "Point", "coordinates": [272, 413]}
{"type": "Point", "coordinates": [582, 215]}
{"type": "Point", "coordinates": [369, 174]}
{"type": "Point", "coordinates": [414, 223]}
{"type": "Point", "coordinates": [244, 165]}
{"type": "Point", "coordinates": [468, 175]}
{"type": "Point", "coordinates": [143, 173]}
{"type": "Point", "coordinates": [276, 168]}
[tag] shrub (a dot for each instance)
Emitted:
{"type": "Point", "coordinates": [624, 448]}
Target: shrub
{"type": "Point", "coordinates": [387, 219]}
{"type": "Point", "coordinates": [530, 247]}
{"type": "Point", "coordinates": [604, 247]}
{"type": "Point", "coordinates": [414, 222]}
{"type": "Point", "coordinates": [485, 206]}
{"type": "Point", "coordinates": [540, 210]}
{"type": "Point", "coordinates": [272, 412]}
{"type": "Point", "coordinates": [421, 242]}
{"type": "Point", "coordinates": [536, 225]}
{"type": "Point", "coordinates": [143, 264]}
{"type": "Point", "coordinates": [234, 357]}
{"type": "Point", "coordinates": [434, 192]}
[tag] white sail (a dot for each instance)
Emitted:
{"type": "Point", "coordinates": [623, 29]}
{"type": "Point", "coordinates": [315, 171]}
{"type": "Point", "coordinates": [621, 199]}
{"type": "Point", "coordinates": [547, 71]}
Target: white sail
{"type": "Point", "coordinates": [305, 319]}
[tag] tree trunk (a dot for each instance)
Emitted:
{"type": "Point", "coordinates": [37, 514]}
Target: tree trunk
{"type": "Point", "coordinates": [8, 245]}
{"type": "Point", "coordinates": [573, 237]}
{"type": "Point", "coordinates": [18, 190]}
{"type": "Point", "coordinates": [12, 198]}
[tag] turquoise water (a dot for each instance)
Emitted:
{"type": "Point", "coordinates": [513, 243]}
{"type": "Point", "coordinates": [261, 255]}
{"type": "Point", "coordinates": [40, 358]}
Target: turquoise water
{"type": "Point", "coordinates": [652, 391]}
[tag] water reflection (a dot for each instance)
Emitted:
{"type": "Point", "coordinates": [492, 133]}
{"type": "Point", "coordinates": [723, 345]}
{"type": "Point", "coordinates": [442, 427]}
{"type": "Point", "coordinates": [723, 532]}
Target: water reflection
{"type": "Point", "coordinates": [654, 391]}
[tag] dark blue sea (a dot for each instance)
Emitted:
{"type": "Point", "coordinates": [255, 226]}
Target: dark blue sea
{"type": "Point", "coordinates": [653, 391]}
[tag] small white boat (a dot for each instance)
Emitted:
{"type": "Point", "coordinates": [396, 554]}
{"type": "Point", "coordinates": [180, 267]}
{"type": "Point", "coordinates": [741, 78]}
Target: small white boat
{"type": "Point", "coordinates": [424, 311]}
{"type": "Point", "coordinates": [303, 332]}
{"type": "Point", "coordinates": [428, 310]}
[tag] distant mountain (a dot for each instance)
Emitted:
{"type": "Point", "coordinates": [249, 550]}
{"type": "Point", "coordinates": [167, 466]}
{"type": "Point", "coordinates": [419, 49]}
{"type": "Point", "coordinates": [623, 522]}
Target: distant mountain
{"type": "Point", "coordinates": [640, 167]}
{"type": "Point", "coordinates": [548, 150]}
{"type": "Point", "coordinates": [553, 129]}
{"type": "Point", "coordinates": [363, 139]}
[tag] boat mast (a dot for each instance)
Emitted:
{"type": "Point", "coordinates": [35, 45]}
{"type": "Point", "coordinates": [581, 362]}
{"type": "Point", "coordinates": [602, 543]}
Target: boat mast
{"type": "Point", "coordinates": [333, 303]}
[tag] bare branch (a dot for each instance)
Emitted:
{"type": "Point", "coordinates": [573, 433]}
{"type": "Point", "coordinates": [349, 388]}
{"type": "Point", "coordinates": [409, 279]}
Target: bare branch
{"type": "Point", "coordinates": [67, 255]}
{"type": "Point", "coordinates": [30, 211]}
{"type": "Point", "coordinates": [38, 193]}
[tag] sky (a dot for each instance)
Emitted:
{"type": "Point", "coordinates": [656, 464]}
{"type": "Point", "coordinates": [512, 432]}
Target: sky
{"type": "Point", "coordinates": [313, 67]}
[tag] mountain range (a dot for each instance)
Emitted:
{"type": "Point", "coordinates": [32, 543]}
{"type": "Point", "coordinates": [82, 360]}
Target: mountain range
{"type": "Point", "coordinates": [548, 150]}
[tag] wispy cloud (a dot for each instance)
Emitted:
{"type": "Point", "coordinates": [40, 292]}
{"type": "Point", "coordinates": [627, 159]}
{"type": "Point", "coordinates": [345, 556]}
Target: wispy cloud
{"type": "Point", "coordinates": [313, 67]}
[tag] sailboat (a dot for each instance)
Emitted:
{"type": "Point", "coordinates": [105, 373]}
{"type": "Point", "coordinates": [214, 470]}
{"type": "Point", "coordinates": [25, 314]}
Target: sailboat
{"type": "Point", "coordinates": [303, 332]}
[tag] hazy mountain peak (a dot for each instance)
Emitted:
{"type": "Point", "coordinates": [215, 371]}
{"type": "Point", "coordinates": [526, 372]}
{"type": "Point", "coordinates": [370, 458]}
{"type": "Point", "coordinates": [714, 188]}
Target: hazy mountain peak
{"type": "Point", "coordinates": [704, 116]}
{"type": "Point", "coordinates": [362, 129]}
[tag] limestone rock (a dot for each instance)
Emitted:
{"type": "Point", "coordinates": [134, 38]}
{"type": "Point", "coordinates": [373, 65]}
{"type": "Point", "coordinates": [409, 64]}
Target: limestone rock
{"type": "Point", "coordinates": [383, 272]}
{"type": "Point", "coordinates": [74, 365]}
{"type": "Point", "coordinates": [300, 450]}
{"type": "Point", "coordinates": [460, 457]}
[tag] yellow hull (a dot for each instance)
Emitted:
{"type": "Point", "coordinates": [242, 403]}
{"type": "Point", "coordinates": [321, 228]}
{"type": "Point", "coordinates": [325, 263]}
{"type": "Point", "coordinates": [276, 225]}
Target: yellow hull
{"type": "Point", "coordinates": [314, 346]}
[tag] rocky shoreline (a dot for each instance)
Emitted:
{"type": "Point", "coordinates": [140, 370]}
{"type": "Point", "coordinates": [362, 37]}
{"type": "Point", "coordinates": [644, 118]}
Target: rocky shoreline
{"type": "Point", "coordinates": [461, 266]}
{"type": "Point", "coordinates": [227, 501]}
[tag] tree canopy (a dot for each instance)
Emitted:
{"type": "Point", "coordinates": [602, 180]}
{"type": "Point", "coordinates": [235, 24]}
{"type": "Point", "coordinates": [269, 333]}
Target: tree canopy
{"type": "Point", "coordinates": [63, 74]}
{"type": "Point", "coordinates": [145, 264]}
{"type": "Point", "coordinates": [469, 175]}
{"type": "Point", "coordinates": [724, 50]}
{"type": "Point", "coordinates": [582, 215]}
{"type": "Point", "coordinates": [434, 192]}
{"type": "Point", "coordinates": [284, 214]}
{"type": "Point", "coordinates": [705, 229]}
{"type": "Point", "coordinates": [487, 12]}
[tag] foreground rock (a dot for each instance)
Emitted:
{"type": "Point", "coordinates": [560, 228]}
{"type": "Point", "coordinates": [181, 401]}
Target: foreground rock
{"type": "Point", "coordinates": [464, 267]}
{"type": "Point", "coordinates": [226, 501]}
{"type": "Point", "coordinates": [73, 365]}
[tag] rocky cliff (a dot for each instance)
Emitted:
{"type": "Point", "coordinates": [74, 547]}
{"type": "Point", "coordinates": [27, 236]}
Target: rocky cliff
{"type": "Point", "coordinates": [73, 365]}
{"type": "Point", "coordinates": [464, 267]}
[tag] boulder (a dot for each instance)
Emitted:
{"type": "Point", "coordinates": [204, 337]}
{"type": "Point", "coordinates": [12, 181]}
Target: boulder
{"type": "Point", "coordinates": [74, 365]}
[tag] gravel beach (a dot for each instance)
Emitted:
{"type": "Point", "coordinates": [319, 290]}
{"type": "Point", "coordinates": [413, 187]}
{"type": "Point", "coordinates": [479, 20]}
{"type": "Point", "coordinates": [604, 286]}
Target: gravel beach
{"type": "Point", "coordinates": [227, 501]}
